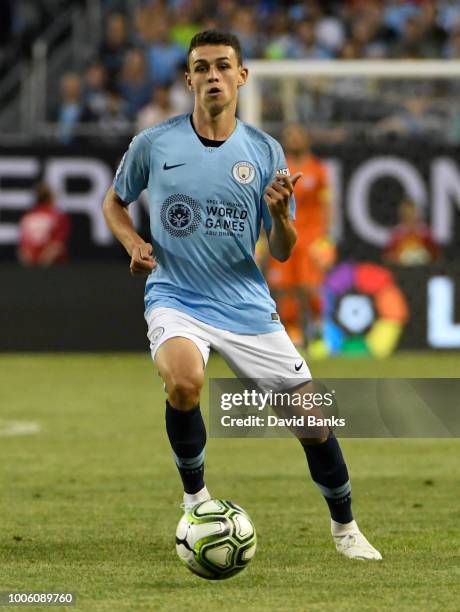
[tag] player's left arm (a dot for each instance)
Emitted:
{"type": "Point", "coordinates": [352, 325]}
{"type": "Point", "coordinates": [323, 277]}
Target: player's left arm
{"type": "Point", "coordinates": [282, 235]}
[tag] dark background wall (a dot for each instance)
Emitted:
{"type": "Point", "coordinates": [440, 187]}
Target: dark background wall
{"type": "Point", "coordinates": [92, 307]}
{"type": "Point", "coordinates": [99, 307]}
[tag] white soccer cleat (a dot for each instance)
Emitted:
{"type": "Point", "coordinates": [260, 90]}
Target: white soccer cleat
{"type": "Point", "coordinates": [192, 499]}
{"type": "Point", "coordinates": [350, 542]}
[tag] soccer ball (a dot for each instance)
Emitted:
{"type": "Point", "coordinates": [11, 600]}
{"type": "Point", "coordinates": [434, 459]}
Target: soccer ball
{"type": "Point", "coordinates": [216, 539]}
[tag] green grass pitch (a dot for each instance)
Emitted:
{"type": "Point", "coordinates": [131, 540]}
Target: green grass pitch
{"type": "Point", "coordinates": [90, 502]}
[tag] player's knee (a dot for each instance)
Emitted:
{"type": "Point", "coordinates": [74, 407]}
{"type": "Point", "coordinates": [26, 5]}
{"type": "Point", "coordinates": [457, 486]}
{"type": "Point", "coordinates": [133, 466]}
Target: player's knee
{"type": "Point", "coordinates": [184, 390]}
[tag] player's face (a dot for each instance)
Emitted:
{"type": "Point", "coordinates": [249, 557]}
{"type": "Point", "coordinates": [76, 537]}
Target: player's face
{"type": "Point", "coordinates": [295, 140]}
{"type": "Point", "coordinates": [215, 77]}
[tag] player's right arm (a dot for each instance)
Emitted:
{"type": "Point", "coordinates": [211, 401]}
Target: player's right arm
{"type": "Point", "coordinates": [131, 178]}
{"type": "Point", "coordinates": [121, 226]}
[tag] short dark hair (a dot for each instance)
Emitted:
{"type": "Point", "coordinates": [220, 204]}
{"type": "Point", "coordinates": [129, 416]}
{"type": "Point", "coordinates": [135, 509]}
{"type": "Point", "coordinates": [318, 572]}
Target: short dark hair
{"type": "Point", "coordinates": [216, 37]}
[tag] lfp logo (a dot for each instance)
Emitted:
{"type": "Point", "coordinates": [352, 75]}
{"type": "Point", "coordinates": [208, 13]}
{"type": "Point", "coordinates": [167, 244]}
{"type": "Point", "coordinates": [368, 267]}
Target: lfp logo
{"type": "Point", "coordinates": [364, 311]}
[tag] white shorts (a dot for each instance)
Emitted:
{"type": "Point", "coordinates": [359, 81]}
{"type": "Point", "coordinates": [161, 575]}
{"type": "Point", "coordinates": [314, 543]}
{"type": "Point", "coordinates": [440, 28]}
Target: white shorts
{"type": "Point", "coordinates": [271, 357]}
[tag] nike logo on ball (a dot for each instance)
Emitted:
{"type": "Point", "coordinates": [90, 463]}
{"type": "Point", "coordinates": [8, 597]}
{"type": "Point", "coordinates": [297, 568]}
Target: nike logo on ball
{"type": "Point", "coordinates": [297, 367]}
{"type": "Point", "coordinates": [166, 167]}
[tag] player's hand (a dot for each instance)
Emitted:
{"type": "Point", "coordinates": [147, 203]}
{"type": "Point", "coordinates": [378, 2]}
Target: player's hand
{"type": "Point", "coordinates": [142, 261]}
{"type": "Point", "coordinates": [278, 194]}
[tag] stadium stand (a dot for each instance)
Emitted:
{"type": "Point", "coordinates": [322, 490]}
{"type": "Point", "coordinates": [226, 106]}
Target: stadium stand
{"type": "Point", "coordinates": [123, 50]}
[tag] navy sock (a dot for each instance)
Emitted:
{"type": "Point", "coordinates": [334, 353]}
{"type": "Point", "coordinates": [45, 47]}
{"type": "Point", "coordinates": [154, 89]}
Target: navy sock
{"type": "Point", "coordinates": [329, 471]}
{"type": "Point", "coordinates": [187, 435]}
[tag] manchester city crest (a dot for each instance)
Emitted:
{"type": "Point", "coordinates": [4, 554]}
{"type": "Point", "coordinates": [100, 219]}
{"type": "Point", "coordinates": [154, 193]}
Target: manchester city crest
{"type": "Point", "coordinates": [244, 172]}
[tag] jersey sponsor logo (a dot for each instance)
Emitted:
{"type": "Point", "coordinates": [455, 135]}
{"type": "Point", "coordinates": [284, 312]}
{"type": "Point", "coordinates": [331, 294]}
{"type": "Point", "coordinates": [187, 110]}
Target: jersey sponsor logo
{"type": "Point", "coordinates": [166, 167]}
{"type": "Point", "coordinates": [244, 172]}
{"type": "Point", "coordinates": [180, 215]}
{"type": "Point", "coordinates": [297, 366]}
{"type": "Point", "coordinates": [284, 171]}
{"type": "Point", "coordinates": [225, 218]}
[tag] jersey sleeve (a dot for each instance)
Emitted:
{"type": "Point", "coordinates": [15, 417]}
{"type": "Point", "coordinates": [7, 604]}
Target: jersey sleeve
{"type": "Point", "coordinates": [132, 175]}
{"type": "Point", "coordinates": [278, 165]}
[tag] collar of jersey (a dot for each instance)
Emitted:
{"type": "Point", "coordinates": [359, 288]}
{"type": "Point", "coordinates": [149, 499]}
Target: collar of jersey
{"type": "Point", "coordinates": [214, 149]}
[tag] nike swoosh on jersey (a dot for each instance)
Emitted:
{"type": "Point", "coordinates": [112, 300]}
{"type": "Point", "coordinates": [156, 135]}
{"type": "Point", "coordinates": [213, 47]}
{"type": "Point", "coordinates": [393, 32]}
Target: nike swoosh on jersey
{"type": "Point", "coordinates": [166, 167]}
{"type": "Point", "coordinates": [297, 367]}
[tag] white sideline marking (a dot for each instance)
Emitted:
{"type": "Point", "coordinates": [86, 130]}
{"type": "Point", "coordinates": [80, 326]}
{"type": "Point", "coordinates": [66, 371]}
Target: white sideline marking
{"type": "Point", "coordinates": [18, 428]}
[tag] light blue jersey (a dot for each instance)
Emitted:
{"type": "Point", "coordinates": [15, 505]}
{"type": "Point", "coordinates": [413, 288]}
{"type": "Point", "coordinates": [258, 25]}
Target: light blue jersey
{"type": "Point", "coordinates": [206, 208]}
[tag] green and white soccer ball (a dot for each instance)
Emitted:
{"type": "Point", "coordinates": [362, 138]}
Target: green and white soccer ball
{"type": "Point", "coordinates": [216, 539]}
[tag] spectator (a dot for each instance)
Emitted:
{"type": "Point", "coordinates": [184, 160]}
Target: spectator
{"type": "Point", "coordinates": [250, 36]}
{"type": "Point", "coordinates": [134, 83]}
{"type": "Point", "coordinates": [115, 44]}
{"type": "Point", "coordinates": [159, 109]}
{"type": "Point", "coordinates": [94, 92]}
{"type": "Point", "coordinates": [43, 232]}
{"type": "Point", "coordinates": [411, 242]}
{"type": "Point", "coordinates": [184, 27]}
{"type": "Point", "coordinates": [209, 23]}
{"type": "Point", "coordinates": [382, 34]}
{"type": "Point", "coordinates": [410, 44]}
{"type": "Point", "coordinates": [306, 46]}
{"type": "Point", "coordinates": [350, 51]}
{"type": "Point", "coordinates": [72, 110]}
{"type": "Point", "coordinates": [364, 33]}
{"type": "Point", "coordinates": [330, 33]}
{"type": "Point", "coordinates": [144, 20]}
{"type": "Point", "coordinates": [397, 12]}
{"type": "Point", "coordinates": [114, 121]}
{"type": "Point", "coordinates": [307, 9]}
{"type": "Point", "coordinates": [280, 39]}
{"type": "Point", "coordinates": [225, 10]}
{"type": "Point", "coordinates": [163, 56]}
{"type": "Point", "coordinates": [449, 14]}
{"type": "Point", "coordinates": [433, 35]}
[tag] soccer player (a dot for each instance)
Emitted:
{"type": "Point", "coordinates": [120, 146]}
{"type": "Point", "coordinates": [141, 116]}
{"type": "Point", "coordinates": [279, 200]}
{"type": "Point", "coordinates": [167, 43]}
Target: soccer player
{"type": "Point", "coordinates": [296, 284]}
{"type": "Point", "coordinates": [212, 181]}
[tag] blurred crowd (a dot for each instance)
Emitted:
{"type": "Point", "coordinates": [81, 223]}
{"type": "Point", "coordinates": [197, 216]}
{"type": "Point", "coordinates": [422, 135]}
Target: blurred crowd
{"type": "Point", "coordinates": [137, 73]}
{"type": "Point", "coordinates": [22, 22]}
{"type": "Point", "coordinates": [267, 28]}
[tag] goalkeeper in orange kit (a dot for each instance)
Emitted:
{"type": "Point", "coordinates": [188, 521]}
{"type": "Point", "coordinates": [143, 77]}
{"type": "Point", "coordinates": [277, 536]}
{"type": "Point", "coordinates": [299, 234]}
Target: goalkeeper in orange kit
{"type": "Point", "coordinates": [296, 284]}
